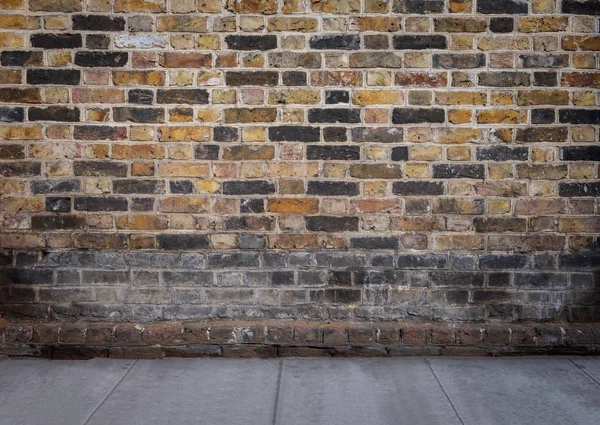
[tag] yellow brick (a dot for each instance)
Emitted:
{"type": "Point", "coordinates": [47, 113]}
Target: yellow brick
{"type": "Point", "coordinates": [140, 6]}
{"type": "Point", "coordinates": [459, 135]}
{"type": "Point", "coordinates": [461, 98]}
{"type": "Point", "coordinates": [296, 96]}
{"type": "Point", "coordinates": [254, 134]}
{"type": "Point", "coordinates": [459, 153]}
{"type": "Point", "coordinates": [183, 169]}
{"type": "Point", "coordinates": [498, 206]}
{"type": "Point", "coordinates": [185, 205]}
{"type": "Point", "coordinates": [424, 153]}
{"type": "Point", "coordinates": [207, 186]}
{"type": "Point", "coordinates": [377, 97]}
{"type": "Point", "coordinates": [417, 171]}
{"type": "Point", "coordinates": [502, 116]}
{"type": "Point", "coordinates": [183, 134]}
{"type": "Point", "coordinates": [459, 116]}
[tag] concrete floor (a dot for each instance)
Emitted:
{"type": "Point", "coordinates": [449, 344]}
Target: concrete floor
{"type": "Point", "coordinates": [411, 391]}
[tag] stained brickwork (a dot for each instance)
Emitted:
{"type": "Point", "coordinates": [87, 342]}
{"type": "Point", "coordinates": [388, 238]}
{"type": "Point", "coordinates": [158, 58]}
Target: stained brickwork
{"type": "Point", "coordinates": [316, 160]}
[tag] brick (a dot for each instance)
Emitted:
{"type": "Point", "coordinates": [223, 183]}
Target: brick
{"type": "Point", "coordinates": [251, 78]}
{"type": "Point", "coordinates": [375, 60]}
{"type": "Point", "coordinates": [293, 206]}
{"type": "Point", "coordinates": [572, 43]}
{"type": "Point", "coordinates": [251, 42]}
{"type": "Point", "coordinates": [292, 24]}
{"type": "Point", "coordinates": [579, 7]}
{"type": "Point", "coordinates": [504, 79]}
{"type": "Point", "coordinates": [21, 58]}
{"type": "Point", "coordinates": [416, 6]}
{"type": "Point", "coordinates": [54, 76]}
{"type": "Point", "coordinates": [185, 60]}
{"type": "Point", "coordinates": [376, 171]}
{"type": "Point", "coordinates": [138, 115]}
{"type": "Point", "coordinates": [419, 42]}
{"type": "Point", "coordinates": [267, 7]}
{"type": "Point", "coordinates": [417, 115]}
{"type": "Point", "coordinates": [544, 61]}
{"type": "Point", "coordinates": [542, 134]}
{"type": "Point", "coordinates": [336, 78]}
{"type": "Point", "coordinates": [99, 168]}
{"type": "Point", "coordinates": [579, 189]}
{"type": "Point", "coordinates": [341, 152]}
{"type": "Point", "coordinates": [579, 116]}
{"type": "Point", "coordinates": [580, 153]}
{"type": "Point", "coordinates": [54, 113]}
{"type": "Point", "coordinates": [331, 224]}
{"type": "Point", "coordinates": [502, 6]}
{"type": "Point", "coordinates": [248, 187]}
{"type": "Point", "coordinates": [324, 188]}
{"type": "Point", "coordinates": [458, 60]}
{"type": "Point", "coordinates": [182, 23]}
{"type": "Point", "coordinates": [333, 115]}
{"type": "Point", "coordinates": [502, 25]}
{"type": "Point", "coordinates": [98, 23]}
{"type": "Point", "coordinates": [375, 242]}
{"type": "Point", "coordinates": [474, 171]}
{"type": "Point", "coordinates": [12, 114]}
{"type": "Point", "coordinates": [89, 203]}
{"type": "Point", "coordinates": [502, 153]}
{"type": "Point", "coordinates": [51, 6]}
{"type": "Point", "coordinates": [182, 242]}
{"type": "Point", "coordinates": [418, 188]}
{"type": "Point", "coordinates": [182, 96]}
{"type": "Point", "coordinates": [56, 41]}
{"type": "Point", "coordinates": [459, 25]}
{"type": "Point", "coordinates": [335, 42]}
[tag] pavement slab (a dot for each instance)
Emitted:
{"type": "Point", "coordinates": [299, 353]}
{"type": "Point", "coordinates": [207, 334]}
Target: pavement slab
{"type": "Point", "coordinates": [198, 392]}
{"type": "Point", "coordinates": [44, 392]}
{"type": "Point", "coordinates": [590, 366]}
{"type": "Point", "coordinates": [523, 391]}
{"type": "Point", "coordinates": [362, 392]}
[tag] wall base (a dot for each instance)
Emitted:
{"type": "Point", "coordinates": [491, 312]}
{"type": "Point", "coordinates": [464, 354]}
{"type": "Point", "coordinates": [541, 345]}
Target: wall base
{"type": "Point", "coordinates": [304, 339]}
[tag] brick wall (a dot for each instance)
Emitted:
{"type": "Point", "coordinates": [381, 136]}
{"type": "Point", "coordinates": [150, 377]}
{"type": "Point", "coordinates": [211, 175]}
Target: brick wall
{"type": "Point", "coordinates": [316, 160]}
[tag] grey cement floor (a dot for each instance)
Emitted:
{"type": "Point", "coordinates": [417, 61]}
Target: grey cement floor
{"type": "Point", "coordinates": [411, 391]}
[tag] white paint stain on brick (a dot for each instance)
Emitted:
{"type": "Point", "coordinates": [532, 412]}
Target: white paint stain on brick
{"type": "Point", "coordinates": [141, 41]}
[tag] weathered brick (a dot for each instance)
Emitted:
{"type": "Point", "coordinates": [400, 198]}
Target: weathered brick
{"type": "Point", "coordinates": [99, 168]}
{"type": "Point", "coordinates": [417, 115]}
{"type": "Point", "coordinates": [335, 42]}
{"type": "Point", "coordinates": [54, 113]}
{"type": "Point", "coordinates": [251, 42]}
{"type": "Point", "coordinates": [251, 78]}
{"type": "Point", "coordinates": [418, 188]}
{"type": "Point", "coordinates": [98, 23]}
{"type": "Point", "coordinates": [579, 7]}
{"type": "Point", "coordinates": [248, 187]}
{"type": "Point", "coordinates": [54, 76]}
{"type": "Point", "coordinates": [344, 153]}
{"type": "Point", "coordinates": [502, 6]}
{"type": "Point", "coordinates": [90, 203]}
{"type": "Point", "coordinates": [333, 115]}
{"type": "Point", "coordinates": [579, 116]}
{"type": "Point", "coordinates": [56, 41]}
{"type": "Point", "coordinates": [416, 6]}
{"type": "Point", "coordinates": [331, 224]}
{"type": "Point", "coordinates": [419, 42]}
{"type": "Point", "coordinates": [179, 96]}
{"type": "Point", "coordinates": [325, 188]}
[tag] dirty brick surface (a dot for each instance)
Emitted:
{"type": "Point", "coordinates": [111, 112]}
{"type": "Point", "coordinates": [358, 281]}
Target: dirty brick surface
{"type": "Point", "coordinates": [316, 160]}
